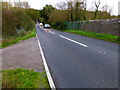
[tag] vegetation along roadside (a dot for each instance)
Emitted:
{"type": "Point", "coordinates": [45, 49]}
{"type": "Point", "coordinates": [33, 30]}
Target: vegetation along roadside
{"type": "Point", "coordinates": [100, 36]}
{"type": "Point", "coordinates": [23, 78]}
{"type": "Point", "coordinates": [24, 35]}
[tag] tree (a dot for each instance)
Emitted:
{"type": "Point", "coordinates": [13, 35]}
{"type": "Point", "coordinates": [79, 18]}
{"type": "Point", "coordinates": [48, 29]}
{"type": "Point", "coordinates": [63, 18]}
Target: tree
{"type": "Point", "coordinates": [25, 5]}
{"type": "Point", "coordinates": [13, 18]}
{"type": "Point", "coordinates": [6, 5]}
{"type": "Point", "coordinates": [78, 8]}
{"type": "Point", "coordinates": [104, 8]}
{"type": "Point", "coordinates": [74, 9]}
{"type": "Point", "coordinates": [70, 9]}
{"type": "Point", "coordinates": [104, 12]}
{"type": "Point", "coordinates": [46, 12]}
{"type": "Point", "coordinates": [62, 5]}
{"type": "Point", "coordinates": [97, 5]}
{"type": "Point", "coordinates": [58, 16]}
{"type": "Point", "coordinates": [85, 8]}
{"type": "Point", "coordinates": [20, 4]}
{"type": "Point", "coordinates": [33, 14]}
{"type": "Point", "coordinates": [110, 11]}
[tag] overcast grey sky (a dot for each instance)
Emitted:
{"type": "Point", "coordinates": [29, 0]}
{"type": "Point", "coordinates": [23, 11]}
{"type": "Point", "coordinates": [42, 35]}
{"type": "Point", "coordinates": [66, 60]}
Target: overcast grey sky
{"type": "Point", "coordinates": [39, 4]}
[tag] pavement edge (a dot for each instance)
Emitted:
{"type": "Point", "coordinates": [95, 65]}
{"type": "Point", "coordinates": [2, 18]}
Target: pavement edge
{"type": "Point", "coordinates": [51, 83]}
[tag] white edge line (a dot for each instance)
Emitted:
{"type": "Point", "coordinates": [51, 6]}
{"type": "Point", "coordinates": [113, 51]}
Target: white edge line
{"type": "Point", "coordinates": [52, 85]}
{"type": "Point", "coordinates": [73, 41]}
{"type": "Point", "coordinates": [52, 32]}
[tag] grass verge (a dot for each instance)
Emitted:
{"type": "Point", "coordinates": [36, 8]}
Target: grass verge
{"type": "Point", "coordinates": [22, 78]}
{"type": "Point", "coordinates": [105, 37]}
{"type": "Point", "coordinates": [26, 35]}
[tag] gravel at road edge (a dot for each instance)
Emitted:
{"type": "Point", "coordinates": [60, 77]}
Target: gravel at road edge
{"type": "Point", "coordinates": [25, 54]}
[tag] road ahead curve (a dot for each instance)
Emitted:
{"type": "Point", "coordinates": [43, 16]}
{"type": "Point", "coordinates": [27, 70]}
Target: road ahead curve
{"type": "Point", "coordinates": [78, 61]}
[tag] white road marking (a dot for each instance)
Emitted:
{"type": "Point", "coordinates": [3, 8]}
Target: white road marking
{"type": "Point", "coordinates": [45, 29]}
{"type": "Point", "coordinates": [101, 52]}
{"type": "Point", "coordinates": [51, 32]}
{"type": "Point", "coordinates": [52, 85]}
{"type": "Point", "coordinates": [73, 41]}
{"type": "Point", "coordinates": [104, 53]}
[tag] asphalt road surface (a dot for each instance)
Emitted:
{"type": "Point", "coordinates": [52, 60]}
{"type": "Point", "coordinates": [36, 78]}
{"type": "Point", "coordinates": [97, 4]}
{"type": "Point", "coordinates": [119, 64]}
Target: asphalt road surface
{"type": "Point", "coordinates": [78, 61]}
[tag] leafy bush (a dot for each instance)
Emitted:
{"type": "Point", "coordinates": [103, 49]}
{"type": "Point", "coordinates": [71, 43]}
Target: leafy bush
{"type": "Point", "coordinates": [15, 39]}
{"type": "Point", "coordinates": [32, 13]}
{"type": "Point", "coordinates": [23, 33]}
{"type": "Point", "coordinates": [60, 25]}
{"type": "Point", "coordinates": [12, 19]}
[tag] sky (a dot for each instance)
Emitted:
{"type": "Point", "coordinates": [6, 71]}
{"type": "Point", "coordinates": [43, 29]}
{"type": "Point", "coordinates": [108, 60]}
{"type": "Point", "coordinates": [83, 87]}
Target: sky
{"type": "Point", "coordinates": [39, 4]}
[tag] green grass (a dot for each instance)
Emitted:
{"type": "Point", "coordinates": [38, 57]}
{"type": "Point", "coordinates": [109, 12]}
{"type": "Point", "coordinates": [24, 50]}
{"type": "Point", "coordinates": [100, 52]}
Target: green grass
{"type": "Point", "coordinates": [15, 39]}
{"type": "Point", "coordinates": [105, 37]}
{"type": "Point", "coordinates": [22, 78]}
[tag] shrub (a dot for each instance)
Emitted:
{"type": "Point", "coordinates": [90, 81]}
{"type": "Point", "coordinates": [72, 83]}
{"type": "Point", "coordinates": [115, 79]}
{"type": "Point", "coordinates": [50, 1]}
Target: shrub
{"type": "Point", "coordinates": [23, 33]}
{"type": "Point", "coordinates": [60, 25]}
{"type": "Point", "coordinates": [12, 19]}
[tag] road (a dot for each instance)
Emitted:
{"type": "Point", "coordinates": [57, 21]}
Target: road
{"type": "Point", "coordinates": [79, 62]}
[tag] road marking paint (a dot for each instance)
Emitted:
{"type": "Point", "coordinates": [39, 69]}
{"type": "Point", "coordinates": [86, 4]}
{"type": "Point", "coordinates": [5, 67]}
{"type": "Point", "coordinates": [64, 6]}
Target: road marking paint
{"type": "Point", "coordinates": [45, 29]}
{"type": "Point", "coordinates": [101, 52]}
{"type": "Point", "coordinates": [73, 41]}
{"type": "Point", "coordinates": [104, 53]}
{"type": "Point", "coordinates": [51, 32]}
{"type": "Point", "coordinates": [52, 85]}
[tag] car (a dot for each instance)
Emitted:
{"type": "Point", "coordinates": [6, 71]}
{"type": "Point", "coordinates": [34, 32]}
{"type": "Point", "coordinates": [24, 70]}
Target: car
{"type": "Point", "coordinates": [41, 24]}
{"type": "Point", "coordinates": [47, 26]}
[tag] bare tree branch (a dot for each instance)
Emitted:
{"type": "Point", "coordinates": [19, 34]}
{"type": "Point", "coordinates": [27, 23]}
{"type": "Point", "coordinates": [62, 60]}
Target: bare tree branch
{"type": "Point", "coordinates": [97, 5]}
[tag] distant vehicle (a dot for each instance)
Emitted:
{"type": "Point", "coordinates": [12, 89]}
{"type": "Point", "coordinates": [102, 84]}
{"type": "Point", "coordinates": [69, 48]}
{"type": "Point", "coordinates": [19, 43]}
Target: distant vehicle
{"type": "Point", "coordinates": [41, 24]}
{"type": "Point", "coordinates": [47, 26]}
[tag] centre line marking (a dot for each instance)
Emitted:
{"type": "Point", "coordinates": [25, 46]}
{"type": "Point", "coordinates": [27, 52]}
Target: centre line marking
{"type": "Point", "coordinates": [73, 41]}
{"type": "Point", "coordinates": [51, 32]}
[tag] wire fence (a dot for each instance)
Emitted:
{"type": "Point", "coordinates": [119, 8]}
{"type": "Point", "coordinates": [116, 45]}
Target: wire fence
{"type": "Point", "coordinates": [107, 26]}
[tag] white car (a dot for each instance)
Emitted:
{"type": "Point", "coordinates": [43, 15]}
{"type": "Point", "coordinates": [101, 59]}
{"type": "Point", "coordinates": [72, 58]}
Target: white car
{"type": "Point", "coordinates": [41, 24]}
{"type": "Point", "coordinates": [47, 26]}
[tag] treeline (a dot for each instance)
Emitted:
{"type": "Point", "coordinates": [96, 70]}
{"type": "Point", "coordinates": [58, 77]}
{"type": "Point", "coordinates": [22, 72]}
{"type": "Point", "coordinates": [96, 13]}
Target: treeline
{"type": "Point", "coordinates": [74, 10]}
{"type": "Point", "coordinates": [17, 15]}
